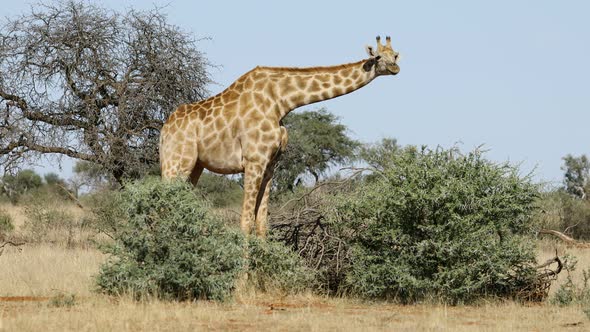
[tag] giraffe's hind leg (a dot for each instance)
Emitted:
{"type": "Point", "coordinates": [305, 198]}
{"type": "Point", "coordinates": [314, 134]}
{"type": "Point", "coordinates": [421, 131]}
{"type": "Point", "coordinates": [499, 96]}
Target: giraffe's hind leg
{"type": "Point", "coordinates": [263, 195]}
{"type": "Point", "coordinates": [179, 161]}
{"type": "Point", "coordinates": [196, 173]}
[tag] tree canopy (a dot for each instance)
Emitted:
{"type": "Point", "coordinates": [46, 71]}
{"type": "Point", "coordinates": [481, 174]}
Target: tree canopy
{"type": "Point", "coordinates": [93, 84]}
{"type": "Point", "coordinates": [316, 142]}
{"type": "Point", "coordinates": [577, 174]}
{"type": "Point", "coordinates": [380, 155]}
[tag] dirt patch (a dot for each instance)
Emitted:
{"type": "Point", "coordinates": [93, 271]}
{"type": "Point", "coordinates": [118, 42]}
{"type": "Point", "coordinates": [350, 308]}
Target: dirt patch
{"type": "Point", "coordinates": [23, 298]}
{"type": "Point", "coordinates": [285, 305]}
{"type": "Point", "coordinates": [277, 307]}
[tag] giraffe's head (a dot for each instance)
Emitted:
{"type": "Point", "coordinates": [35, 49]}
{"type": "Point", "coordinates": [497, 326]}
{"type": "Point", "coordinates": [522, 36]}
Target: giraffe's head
{"type": "Point", "coordinates": [384, 58]}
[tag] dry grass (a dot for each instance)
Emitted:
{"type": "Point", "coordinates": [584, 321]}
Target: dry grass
{"type": "Point", "coordinates": [19, 218]}
{"type": "Point", "coordinates": [70, 234]}
{"type": "Point", "coordinates": [38, 280]}
{"type": "Point", "coordinates": [98, 313]}
{"type": "Point", "coordinates": [547, 250]}
{"type": "Point", "coordinates": [16, 212]}
{"type": "Point", "coordinates": [31, 279]}
{"type": "Point", "coordinates": [46, 270]}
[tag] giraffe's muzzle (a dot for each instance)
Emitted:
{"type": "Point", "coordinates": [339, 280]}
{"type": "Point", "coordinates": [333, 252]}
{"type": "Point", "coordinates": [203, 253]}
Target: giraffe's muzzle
{"type": "Point", "coordinates": [393, 69]}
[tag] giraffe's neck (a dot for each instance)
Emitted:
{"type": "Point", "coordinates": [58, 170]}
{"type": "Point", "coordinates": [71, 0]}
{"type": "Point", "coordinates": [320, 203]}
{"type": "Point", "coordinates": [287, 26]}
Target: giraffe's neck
{"type": "Point", "coordinates": [302, 86]}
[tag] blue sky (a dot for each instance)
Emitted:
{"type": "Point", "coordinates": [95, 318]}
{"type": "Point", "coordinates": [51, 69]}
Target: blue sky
{"type": "Point", "coordinates": [511, 75]}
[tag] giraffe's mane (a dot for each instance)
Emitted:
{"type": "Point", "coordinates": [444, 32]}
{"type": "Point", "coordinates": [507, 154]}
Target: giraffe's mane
{"type": "Point", "coordinates": [319, 69]}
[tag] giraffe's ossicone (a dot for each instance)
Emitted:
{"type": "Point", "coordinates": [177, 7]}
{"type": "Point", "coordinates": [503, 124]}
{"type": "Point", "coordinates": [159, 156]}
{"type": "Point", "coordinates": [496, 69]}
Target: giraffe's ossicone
{"type": "Point", "coordinates": [239, 130]}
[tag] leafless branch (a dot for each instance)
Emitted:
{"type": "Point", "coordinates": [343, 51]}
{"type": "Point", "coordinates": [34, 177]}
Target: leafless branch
{"type": "Point", "coordinates": [568, 240]}
{"type": "Point", "coordinates": [92, 84]}
{"type": "Point", "coordinates": [14, 244]}
{"type": "Point", "coordinates": [301, 224]}
{"type": "Point", "coordinates": [322, 184]}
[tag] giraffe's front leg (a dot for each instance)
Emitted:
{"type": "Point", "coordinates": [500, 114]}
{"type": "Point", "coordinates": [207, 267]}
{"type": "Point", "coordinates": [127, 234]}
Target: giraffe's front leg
{"type": "Point", "coordinates": [253, 176]}
{"type": "Point", "coordinates": [262, 211]}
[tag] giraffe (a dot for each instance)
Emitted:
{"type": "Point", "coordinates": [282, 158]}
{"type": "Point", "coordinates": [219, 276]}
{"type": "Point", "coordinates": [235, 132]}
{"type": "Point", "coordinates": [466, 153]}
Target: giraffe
{"type": "Point", "coordinates": [239, 129]}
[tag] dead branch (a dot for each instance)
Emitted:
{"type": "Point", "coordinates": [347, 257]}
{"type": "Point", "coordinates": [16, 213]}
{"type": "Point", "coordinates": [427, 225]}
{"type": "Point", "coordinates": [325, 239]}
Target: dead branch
{"type": "Point", "coordinates": [568, 240]}
{"type": "Point", "coordinates": [71, 196]}
{"type": "Point", "coordinates": [548, 273]}
{"type": "Point", "coordinates": [300, 223]}
{"type": "Point", "coordinates": [14, 244]}
{"type": "Point", "coordinates": [569, 227]}
{"type": "Point", "coordinates": [325, 183]}
{"type": "Point", "coordinates": [539, 289]}
{"type": "Point", "coordinates": [82, 81]}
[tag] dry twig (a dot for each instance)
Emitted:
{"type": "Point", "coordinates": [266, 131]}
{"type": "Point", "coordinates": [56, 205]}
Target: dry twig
{"type": "Point", "coordinates": [568, 240]}
{"type": "Point", "coordinates": [14, 244]}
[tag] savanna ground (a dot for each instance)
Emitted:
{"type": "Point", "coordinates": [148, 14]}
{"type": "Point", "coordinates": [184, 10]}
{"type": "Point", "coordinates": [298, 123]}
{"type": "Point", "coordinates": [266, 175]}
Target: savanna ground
{"type": "Point", "coordinates": [49, 286]}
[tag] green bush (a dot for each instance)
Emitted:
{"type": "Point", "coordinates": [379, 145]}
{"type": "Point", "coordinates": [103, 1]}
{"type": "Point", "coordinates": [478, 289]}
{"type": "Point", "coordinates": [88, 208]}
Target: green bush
{"type": "Point", "coordinates": [220, 191]}
{"type": "Point", "coordinates": [273, 267]}
{"type": "Point", "coordinates": [62, 300]}
{"type": "Point", "coordinates": [438, 224]}
{"type": "Point", "coordinates": [14, 186]}
{"type": "Point", "coordinates": [57, 185]}
{"type": "Point", "coordinates": [569, 292]}
{"type": "Point", "coordinates": [48, 218]}
{"type": "Point", "coordinates": [562, 211]}
{"type": "Point", "coordinates": [170, 246]}
{"type": "Point", "coordinates": [105, 210]}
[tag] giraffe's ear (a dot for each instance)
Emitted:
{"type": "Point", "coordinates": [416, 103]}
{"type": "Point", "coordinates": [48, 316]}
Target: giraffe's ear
{"type": "Point", "coordinates": [371, 51]}
{"type": "Point", "coordinates": [370, 63]}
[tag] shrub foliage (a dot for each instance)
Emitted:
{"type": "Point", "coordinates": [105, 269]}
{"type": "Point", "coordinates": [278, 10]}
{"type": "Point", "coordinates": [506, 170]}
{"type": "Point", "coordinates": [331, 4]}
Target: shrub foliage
{"type": "Point", "coordinates": [49, 218]}
{"type": "Point", "coordinates": [565, 212]}
{"type": "Point", "coordinates": [432, 224]}
{"type": "Point", "coordinates": [428, 224]}
{"type": "Point", "coordinates": [441, 224]}
{"type": "Point", "coordinates": [274, 267]}
{"type": "Point", "coordinates": [6, 224]}
{"type": "Point", "coordinates": [170, 246]}
{"type": "Point", "coordinates": [570, 292]}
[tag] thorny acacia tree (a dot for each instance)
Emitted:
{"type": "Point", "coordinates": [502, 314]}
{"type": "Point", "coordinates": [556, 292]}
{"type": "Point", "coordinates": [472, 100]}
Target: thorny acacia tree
{"type": "Point", "coordinates": [93, 84]}
{"type": "Point", "coordinates": [577, 175]}
{"type": "Point", "coordinates": [316, 142]}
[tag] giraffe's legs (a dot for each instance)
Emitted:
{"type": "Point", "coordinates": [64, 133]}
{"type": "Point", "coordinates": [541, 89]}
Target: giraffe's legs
{"type": "Point", "coordinates": [253, 175]}
{"type": "Point", "coordinates": [262, 200]}
{"type": "Point", "coordinates": [196, 173]}
{"type": "Point", "coordinates": [257, 183]}
{"type": "Point", "coordinates": [263, 196]}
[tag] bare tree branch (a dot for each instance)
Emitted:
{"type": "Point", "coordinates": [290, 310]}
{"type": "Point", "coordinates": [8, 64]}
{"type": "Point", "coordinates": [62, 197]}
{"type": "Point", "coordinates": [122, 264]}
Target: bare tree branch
{"type": "Point", "coordinates": [92, 84]}
{"type": "Point", "coordinates": [568, 240]}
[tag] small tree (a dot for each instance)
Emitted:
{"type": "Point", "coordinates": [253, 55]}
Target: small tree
{"type": "Point", "coordinates": [93, 84]}
{"type": "Point", "coordinates": [14, 186]}
{"type": "Point", "coordinates": [57, 185]}
{"type": "Point", "coordinates": [380, 155]}
{"type": "Point", "coordinates": [52, 179]}
{"type": "Point", "coordinates": [577, 174]}
{"type": "Point", "coordinates": [221, 191]}
{"type": "Point", "coordinates": [316, 143]}
{"type": "Point", "coordinates": [439, 224]}
{"type": "Point", "coordinates": [91, 176]}
{"type": "Point", "coordinates": [168, 245]}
